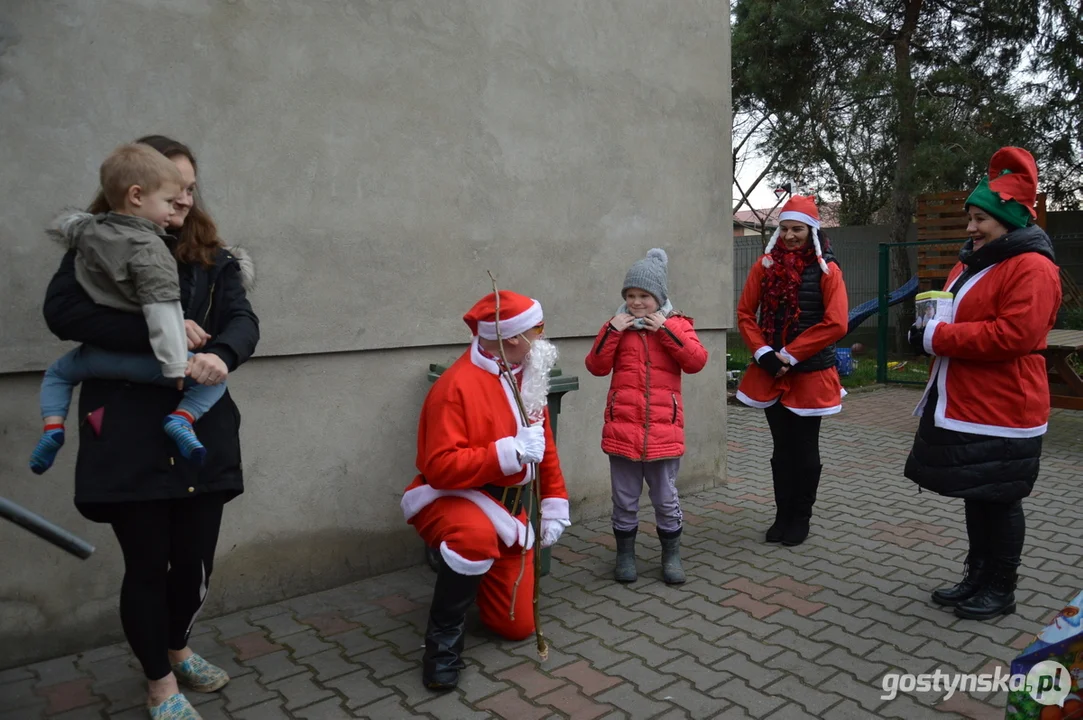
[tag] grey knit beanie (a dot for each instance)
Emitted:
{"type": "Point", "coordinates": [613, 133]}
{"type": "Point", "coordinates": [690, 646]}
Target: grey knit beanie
{"type": "Point", "coordinates": [649, 274]}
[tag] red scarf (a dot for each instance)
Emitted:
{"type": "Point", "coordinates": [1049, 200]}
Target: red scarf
{"type": "Point", "coordinates": [781, 282]}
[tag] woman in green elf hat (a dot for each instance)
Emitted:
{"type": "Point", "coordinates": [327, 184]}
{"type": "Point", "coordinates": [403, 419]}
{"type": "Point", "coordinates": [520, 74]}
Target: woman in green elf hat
{"type": "Point", "coordinates": [986, 406]}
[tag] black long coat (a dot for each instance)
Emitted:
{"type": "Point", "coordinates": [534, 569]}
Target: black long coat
{"type": "Point", "coordinates": [133, 459]}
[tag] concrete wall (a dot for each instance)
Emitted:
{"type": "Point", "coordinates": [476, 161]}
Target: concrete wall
{"type": "Point", "coordinates": [376, 158]}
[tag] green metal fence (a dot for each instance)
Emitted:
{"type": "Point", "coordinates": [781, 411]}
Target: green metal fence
{"type": "Point", "coordinates": [883, 320]}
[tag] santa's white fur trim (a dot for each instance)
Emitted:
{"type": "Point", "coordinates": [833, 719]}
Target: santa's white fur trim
{"type": "Point", "coordinates": [509, 529]}
{"type": "Point", "coordinates": [507, 451]}
{"type": "Point", "coordinates": [799, 217]}
{"type": "Point", "coordinates": [555, 508]}
{"type": "Point", "coordinates": [461, 565]}
{"type": "Point", "coordinates": [512, 326]}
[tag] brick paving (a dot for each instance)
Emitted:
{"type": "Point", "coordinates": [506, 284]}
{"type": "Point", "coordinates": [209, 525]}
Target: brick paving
{"type": "Point", "coordinates": [759, 631]}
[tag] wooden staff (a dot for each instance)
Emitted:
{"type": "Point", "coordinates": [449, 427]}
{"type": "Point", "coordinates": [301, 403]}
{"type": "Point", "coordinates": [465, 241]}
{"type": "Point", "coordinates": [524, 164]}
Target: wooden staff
{"type": "Point", "coordinates": [533, 493]}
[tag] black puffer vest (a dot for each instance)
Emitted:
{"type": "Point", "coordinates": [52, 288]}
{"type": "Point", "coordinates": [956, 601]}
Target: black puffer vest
{"type": "Point", "coordinates": [810, 299]}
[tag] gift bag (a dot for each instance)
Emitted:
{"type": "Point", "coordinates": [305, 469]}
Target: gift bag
{"type": "Point", "coordinates": [1057, 694]}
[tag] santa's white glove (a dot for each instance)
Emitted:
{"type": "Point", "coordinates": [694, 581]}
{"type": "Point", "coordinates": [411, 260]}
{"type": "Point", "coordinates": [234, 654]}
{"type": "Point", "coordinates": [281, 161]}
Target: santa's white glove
{"type": "Point", "coordinates": [530, 443]}
{"type": "Point", "coordinates": [554, 518]}
{"type": "Point", "coordinates": [551, 530]}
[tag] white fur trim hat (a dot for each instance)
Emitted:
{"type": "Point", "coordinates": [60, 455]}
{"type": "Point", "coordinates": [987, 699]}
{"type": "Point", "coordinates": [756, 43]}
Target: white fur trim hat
{"type": "Point", "coordinates": [801, 208]}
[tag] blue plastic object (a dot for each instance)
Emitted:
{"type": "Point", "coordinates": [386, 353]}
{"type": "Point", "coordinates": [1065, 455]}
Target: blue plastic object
{"type": "Point", "coordinates": [865, 310]}
{"type": "Point", "coordinates": [844, 361]}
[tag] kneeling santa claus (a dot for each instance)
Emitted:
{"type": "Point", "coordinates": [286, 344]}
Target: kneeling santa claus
{"type": "Point", "coordinates": [475, 459]}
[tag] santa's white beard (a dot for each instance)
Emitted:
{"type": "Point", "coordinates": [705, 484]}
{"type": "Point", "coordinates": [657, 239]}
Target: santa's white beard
{"type": "Point", "coordinates": [536, 368]}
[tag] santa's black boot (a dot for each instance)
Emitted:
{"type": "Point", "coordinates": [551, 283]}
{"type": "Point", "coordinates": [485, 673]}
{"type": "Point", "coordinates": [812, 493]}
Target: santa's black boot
{"type": "Point", "coordinates": [804, 498]}
{"type": "Point", "coordinates": [445, 636]}
{"type": "Point", "coordinates": [783, 485]}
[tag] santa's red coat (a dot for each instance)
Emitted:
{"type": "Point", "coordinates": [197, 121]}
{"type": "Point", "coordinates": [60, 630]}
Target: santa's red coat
{"type": "Point", "coordinates": [991, 378]}
{"type": "Point", "coordinates": [464, 442]}
{"type": "Point", "coordinates": [805, 393]}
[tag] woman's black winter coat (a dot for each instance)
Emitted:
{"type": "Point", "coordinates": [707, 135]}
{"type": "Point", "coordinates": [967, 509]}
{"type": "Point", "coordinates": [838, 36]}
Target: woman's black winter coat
{"type": "Point", "coordinates": [133, 459]}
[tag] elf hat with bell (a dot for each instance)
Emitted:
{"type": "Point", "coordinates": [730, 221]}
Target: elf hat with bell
{"type": "Point", "coordinates": [518, 313]}
{"type": "Point", "coordinates": [1011, 190]}
{"type": "Point", "coordinates": [801, 208]}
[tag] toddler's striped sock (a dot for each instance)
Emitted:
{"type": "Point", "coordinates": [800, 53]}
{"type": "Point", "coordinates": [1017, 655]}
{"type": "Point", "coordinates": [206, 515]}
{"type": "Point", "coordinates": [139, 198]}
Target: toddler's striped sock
{"type": "Point", "coordinates": [48, 446]}
{"type": "Point", "coordinates": [178, 425]}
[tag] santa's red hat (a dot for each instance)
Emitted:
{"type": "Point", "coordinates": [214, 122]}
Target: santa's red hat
{"type": "Point", "coordinates": [801, 208]}
{"type": "Point", "coordinates": [518, 313]}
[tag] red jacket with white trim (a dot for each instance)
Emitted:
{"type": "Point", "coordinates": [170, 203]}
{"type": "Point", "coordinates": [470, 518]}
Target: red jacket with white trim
{"type": "Point", "coordinates": [992, 379]}
{"type": "Point", "coordinates": [464, 442]}
{"type": "Point", "coordinates": [818, 392]}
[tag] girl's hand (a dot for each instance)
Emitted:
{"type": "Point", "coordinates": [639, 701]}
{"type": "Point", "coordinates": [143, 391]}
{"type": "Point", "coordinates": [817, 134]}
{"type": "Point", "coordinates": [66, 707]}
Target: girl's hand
{"type": "Point", "coordinates": [207, 369]}
{"type": "Point", "coordinates": [197, 336]}
{"type": "Point", "coordinates": [785, 365]}
{"type": "Point", "coordinates": [622, 322]}
{"type": "Point", "coordinates": [654, 321]}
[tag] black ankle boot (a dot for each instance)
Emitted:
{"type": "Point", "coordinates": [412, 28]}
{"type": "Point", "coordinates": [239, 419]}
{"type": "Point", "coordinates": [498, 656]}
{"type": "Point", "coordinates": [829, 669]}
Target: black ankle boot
{"type": "Point", "coordinates": [973, 576]}
{"type": "Point", "coordinates": [672, 572]}
{"type": "Point", "coordinates": [446, 633]}
{"type": "Point", "coordinates": [625, 569]}
{"type": "Point", "coordinates": [804, 497]}
{"type": "Point", "coordinates": [995, 598]}
{"type": "Point", "coordinates": [782, 502]}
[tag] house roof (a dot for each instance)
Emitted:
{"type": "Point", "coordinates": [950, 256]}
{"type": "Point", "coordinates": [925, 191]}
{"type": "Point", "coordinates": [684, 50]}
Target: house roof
{"type": "Point", "coordinates": [829, 216]}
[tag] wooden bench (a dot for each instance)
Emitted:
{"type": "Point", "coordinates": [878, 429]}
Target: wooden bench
{"type": "Point", "coordinates": [1065, 385]}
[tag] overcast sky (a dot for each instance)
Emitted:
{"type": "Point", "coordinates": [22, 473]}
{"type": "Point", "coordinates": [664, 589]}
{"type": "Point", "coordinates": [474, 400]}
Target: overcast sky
{"type": "Point", "coordinates": [763, 196]}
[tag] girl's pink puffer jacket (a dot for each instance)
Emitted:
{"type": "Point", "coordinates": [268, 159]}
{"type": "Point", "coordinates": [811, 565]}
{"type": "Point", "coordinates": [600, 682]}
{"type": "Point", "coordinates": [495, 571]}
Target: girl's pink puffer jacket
{"type": "Point", "coordinates": [644, 412]}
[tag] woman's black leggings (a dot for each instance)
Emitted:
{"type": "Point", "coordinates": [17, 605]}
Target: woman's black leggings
{"type": "Point", "coordinates": [796, 437]}
{"type": "Point", "coordinates": [168, 548]}
{"type": "Point", "coordinates": [996, 530]}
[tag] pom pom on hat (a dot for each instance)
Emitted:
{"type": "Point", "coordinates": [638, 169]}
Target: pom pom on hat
{"type": "Point", "coordinates": [650, 274]}
{"type": "Point", "coordinates": [518, 313]}
{"type": "Point", "coordinates": [801, 208]}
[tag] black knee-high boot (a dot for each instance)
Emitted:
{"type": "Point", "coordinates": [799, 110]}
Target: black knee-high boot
{"type": "Point", "coordinates": [783, 485]}
{"type": "Point", "coordinates": [804, 498]}
{"type": "Point", "coordinates": [976, 564]}
{"type": "Point", "coordinates": [445, 636]}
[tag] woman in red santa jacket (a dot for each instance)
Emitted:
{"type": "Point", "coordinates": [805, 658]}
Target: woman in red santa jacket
{"type": "Point", "coordinates": [986, 406]}
{"type": "Point", "coordinates": [792, 312]}
{"type": "Point", "coordinates": [475, 459]}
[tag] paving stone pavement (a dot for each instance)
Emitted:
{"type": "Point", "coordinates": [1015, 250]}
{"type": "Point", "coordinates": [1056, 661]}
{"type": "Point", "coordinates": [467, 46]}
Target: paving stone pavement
{"type": "Point", "coordinates": [759, 631]}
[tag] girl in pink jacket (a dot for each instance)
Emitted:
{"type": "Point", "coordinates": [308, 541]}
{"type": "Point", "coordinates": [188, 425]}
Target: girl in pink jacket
{"type": "Point", "coordinates": [646, 345]}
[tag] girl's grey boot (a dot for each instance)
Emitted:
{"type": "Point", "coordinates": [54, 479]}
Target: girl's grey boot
{"type": "Point", "coordinates": [672, 572]}
{"type": "Point", "coordinates": [625, 570]}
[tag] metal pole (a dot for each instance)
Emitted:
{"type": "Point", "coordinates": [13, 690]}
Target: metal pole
{"type": "Point", "coordinates": [44, 529]}
{"type": "Point", "coordinates": [882, 314]}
